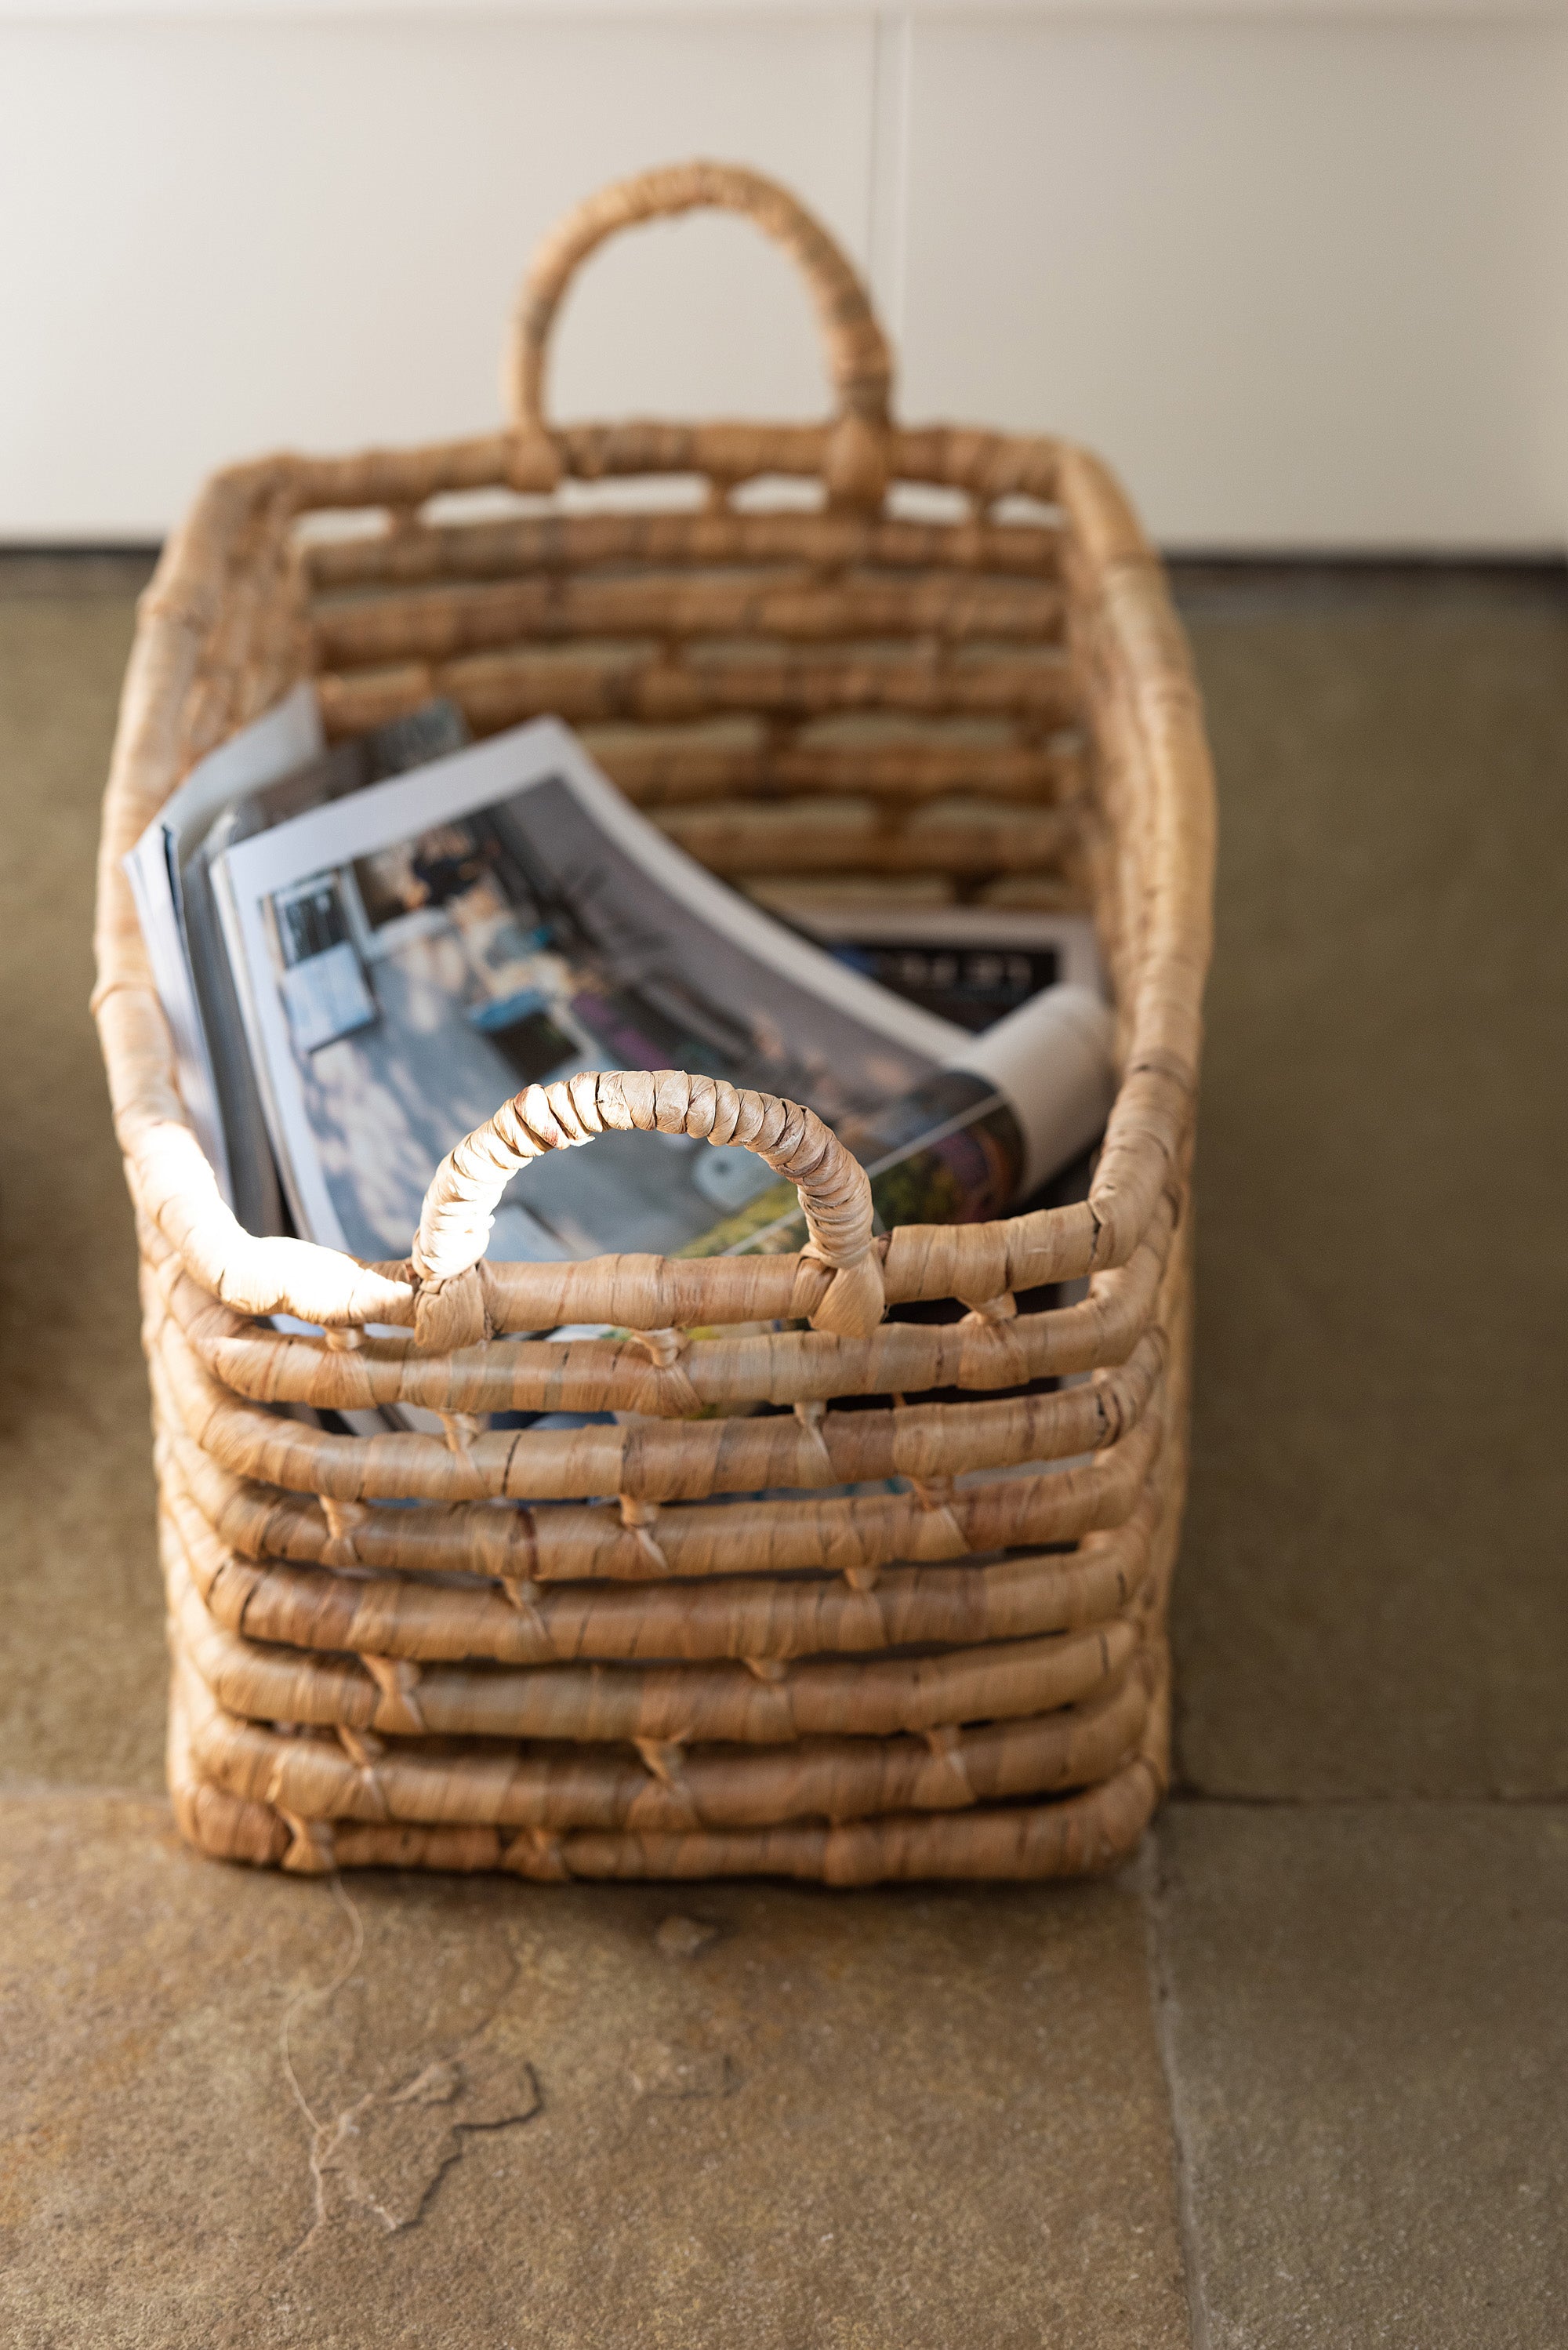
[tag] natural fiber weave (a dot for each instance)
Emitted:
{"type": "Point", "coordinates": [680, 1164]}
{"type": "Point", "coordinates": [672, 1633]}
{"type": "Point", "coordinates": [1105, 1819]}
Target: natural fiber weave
{"type": "Point", "coordinates": [573, 1654]}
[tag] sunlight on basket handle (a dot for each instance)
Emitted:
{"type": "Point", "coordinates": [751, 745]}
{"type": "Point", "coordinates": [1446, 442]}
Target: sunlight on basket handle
{"type": "Point", "coordinates": [858, 360]}
{"type": "Point", "coordinates": [834, 1194]}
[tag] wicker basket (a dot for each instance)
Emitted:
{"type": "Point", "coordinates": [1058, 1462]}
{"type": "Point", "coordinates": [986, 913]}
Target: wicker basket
{"type": "Point", "coordinates": [964, 1675]}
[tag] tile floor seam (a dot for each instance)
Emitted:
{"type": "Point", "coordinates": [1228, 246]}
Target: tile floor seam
{"type": "Point", "coordinates": [1189, 1798]}
{"type": "Point", "coordinates": [1150, 1869]}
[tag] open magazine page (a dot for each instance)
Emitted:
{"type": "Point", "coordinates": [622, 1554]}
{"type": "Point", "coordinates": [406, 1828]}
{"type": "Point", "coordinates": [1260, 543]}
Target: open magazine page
{"type": "Point", "coordinates": [410, 957]}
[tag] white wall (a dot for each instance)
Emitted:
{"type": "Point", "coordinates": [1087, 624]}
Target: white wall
{"type": "Point", "coordinates": [1301, 273]}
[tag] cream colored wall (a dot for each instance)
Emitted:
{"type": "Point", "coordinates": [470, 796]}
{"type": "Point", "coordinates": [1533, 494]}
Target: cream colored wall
{"type": "Point", "coordinates": [1301, 273]}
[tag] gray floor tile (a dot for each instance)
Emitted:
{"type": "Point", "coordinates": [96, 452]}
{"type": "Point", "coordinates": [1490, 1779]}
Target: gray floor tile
{"type": "Point", "coordinates": [1370, 1598]}
{"type": "Point", "coordinates": [907, 2121]}
{"type": "Point", "coordinates": [81, 1691]}
{"type": "Point", "coordinates": [1368, 2041]}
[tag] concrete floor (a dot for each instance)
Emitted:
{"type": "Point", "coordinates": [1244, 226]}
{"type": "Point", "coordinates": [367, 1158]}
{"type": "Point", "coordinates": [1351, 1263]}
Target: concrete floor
{"type": "Point", "coordinates": [1297, 2078]}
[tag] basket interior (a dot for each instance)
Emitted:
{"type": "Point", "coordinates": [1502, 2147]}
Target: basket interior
{"type": "Point", "coordinates": [812, 704]}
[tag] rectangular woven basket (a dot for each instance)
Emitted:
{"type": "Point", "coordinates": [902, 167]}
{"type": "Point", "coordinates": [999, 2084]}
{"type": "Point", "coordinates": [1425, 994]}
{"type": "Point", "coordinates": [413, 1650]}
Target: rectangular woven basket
{"type": "Point", "coordinates": [587, 1654]}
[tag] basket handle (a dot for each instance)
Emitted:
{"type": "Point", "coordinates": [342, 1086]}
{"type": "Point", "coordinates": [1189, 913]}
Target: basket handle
{"type": "Point", "coordinates": [858, 360]}
{"type": "Point", "coordinates": [834, 1190]}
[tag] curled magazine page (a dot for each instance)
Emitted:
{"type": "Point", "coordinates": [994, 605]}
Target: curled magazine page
{"type": "Point", "coordinates": [410, 957]}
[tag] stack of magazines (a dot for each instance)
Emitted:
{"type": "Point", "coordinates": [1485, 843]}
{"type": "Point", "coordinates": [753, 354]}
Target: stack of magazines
{"type": "Point", "coordinates": [363, 951]}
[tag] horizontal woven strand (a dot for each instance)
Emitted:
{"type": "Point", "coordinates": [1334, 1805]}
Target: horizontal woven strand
{"type": "Point", "coordinates": [987, 466]}
{"type": "Point", "coordinates": [568, 1788]}
{"type": "Point", "coordinates": [1069, 1836]}
{"type": "Point", "coordinates": [733, 1617]}
{"type": "Point", "coordinates": [673, 606]}
{"type": "Point", "coordinates": [654, 1460]}
{"type": "Point", "coordinates": [785, 1368]}
{"type": "Point", "coordinates": [572, 544]}
{"type": "Point", "coordinates": [808, 838]}
{"type": "Point", "coordinates": [971, 1261]}
{"type": "Point", "coordinates": [618, 1374]}
{"type": "Point", "coordinates": [685, 1704]}
{"type": "Point", "coordinates": [497, 690]}
{"type": "Point", "coordinates": [990, 466]}
{"type": "Point", "coordinates": [1079, 1837]}
{"type": "Point", "coordinates": [853, 1536]}
{"type": "Point", "coordinates": [660, 767]}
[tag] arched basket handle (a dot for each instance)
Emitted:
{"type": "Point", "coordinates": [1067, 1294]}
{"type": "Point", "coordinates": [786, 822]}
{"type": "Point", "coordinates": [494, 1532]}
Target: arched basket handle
{"type": "Point", "coordinates": [858, 361]}
{"type": "Point", "coordinates": [834, 1194]}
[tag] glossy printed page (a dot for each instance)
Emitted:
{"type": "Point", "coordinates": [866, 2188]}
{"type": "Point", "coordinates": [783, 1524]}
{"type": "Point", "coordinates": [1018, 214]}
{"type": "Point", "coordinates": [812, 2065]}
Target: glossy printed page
{"type": "Point", "coordinates": [411, 956]}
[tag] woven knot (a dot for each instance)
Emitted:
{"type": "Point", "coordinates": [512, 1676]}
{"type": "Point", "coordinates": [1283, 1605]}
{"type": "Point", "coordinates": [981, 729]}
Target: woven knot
{"type": "Point", "coordinates": [537, 1853]}
{"type": "Point", "coordinates": [664, 1758]}
{"type": "Point", "coordinates": [361, 1746]}
{"type": "Point", "coordinates": [343, 1519]}
{"type": "Point", "coordinates": [1003, 1308]}
{"type": "Point", "coordinates": [451, 1313]}
{"type": "Point", "coordinates": [811, 1416]}
{"type": "Point", "coordinates": [945, 1744]}
{"type": "Point", "coordinates": [836, 1259]}
{"type": "Point", "coordinates": [460, 1429]}
{"type": "Point", "coordinates": [640, 1518]}
{"type": "Point", "coordinates": [663, 1348]}
{"type": "Point", "coordinates": [532, 462]}
{"type": "Point", "coordinates": [398, 1679]}
{"type": "Point", "coordinates": [933, 1493]}
{"type": "Point", "coordinates": [310, 1851]}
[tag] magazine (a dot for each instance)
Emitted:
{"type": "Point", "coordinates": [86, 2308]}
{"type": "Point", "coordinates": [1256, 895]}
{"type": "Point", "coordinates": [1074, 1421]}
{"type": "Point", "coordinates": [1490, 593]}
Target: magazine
{"type": "Point", "coordinates": [409, 957]}
{"type": "Point", "coordinates": [970, 965]}
{"type": "Point", "coordinates": [1008, 1110]}
{"type": "Point", "coordinates": [426, 733]}
{"type": "Point", "coordinates": [271, 769]}
{"type": "Point", "coordinates": [283, 740]}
